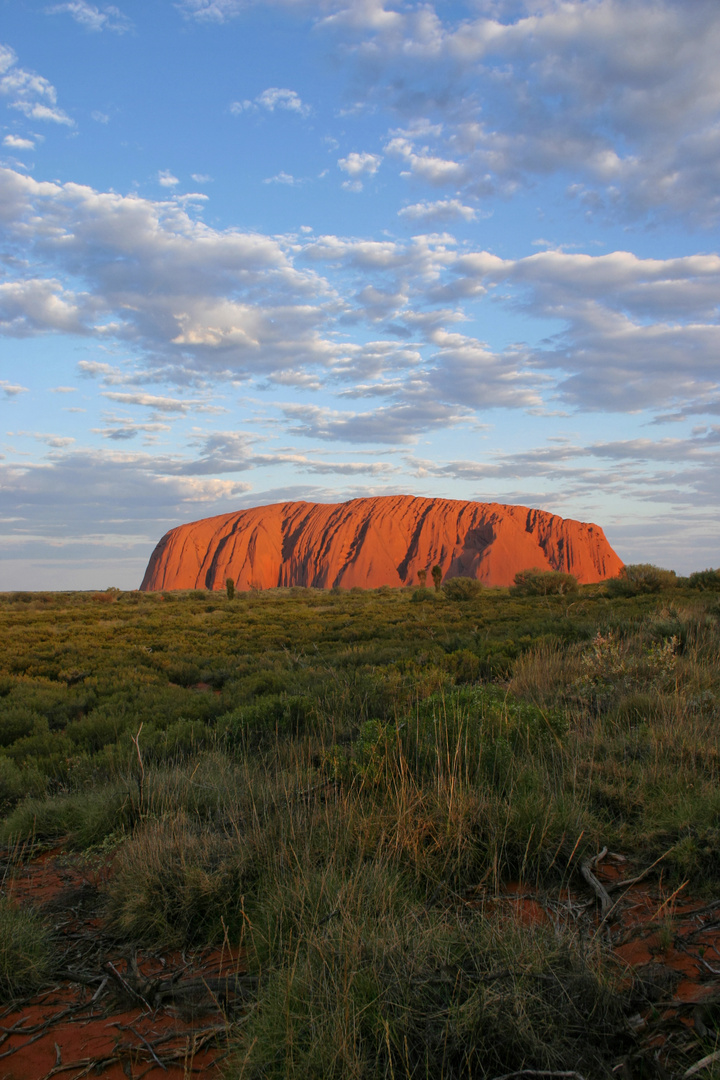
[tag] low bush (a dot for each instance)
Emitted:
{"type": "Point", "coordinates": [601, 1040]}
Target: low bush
{"type": "Point", "coordinates": [544, 672]}
{"type": "Point", "coordinates": [174, 883]}
{"type": "Point", "coordinates": [463, 588]}
{"type": "Point", "coordinates": [637, 578]}
{"type": "Point", "coordinates": [16, 783]}
{"type": "Point", "coordinates": [85, 818]}
{"type": "Point", "coordinates": [381, 987]}
{"type": "Point", "coordinates": [536, 582]}
{"type": "Point", "coordinates": [25, 951]}
{"type": "Point", "coordinates": [705, 580]}
{"type": "Point", "coordinates": [421, 596]}
{"type": "Point", "coordinates": [262, 721]}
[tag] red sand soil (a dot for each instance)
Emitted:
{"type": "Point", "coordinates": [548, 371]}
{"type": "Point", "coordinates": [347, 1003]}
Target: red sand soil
{"type": "Point", "coordinates": [154, 1015]}
{"type": "Point", "coordinates": [667, 943]}
{"type": "Point", "coordinates": [372, 542]}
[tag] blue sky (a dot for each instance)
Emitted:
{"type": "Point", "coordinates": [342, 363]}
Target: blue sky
{"type": "Point", "coordinates": [321, 250]}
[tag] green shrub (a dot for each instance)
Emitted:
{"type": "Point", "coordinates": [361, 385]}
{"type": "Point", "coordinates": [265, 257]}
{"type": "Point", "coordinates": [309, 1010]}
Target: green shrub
{"type": "Point", "coordinates": [377, 987]}
{"type": "Point", "coordinates": [463, 588]}
{"type": "Point", "coordinates": [173, 883]}
{"type": "Point", "coordinates": [85, 818]}
{"type": "Point", "coordinates": [705, 580]}
{"type": "Point", "coordinates": [25, 950]}
{"type": "Point", "coordinates": [464, 665]}
{"type": "Point", "coordinates": [17, 724]}
{"type": "Point", "coordinates": [265, 719]}
{"type": "Point", "coordinates": [421, 596]}
{"type": "Point", "coordinates": [16, 783]}
{"type": "Point", "coordinates": [637, 578]}
{"type": "Point", "coordinates": [487, 734]}
{"type": "Point", "coordinates": [534, 582]}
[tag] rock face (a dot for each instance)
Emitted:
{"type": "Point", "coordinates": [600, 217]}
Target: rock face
{"type": "Point", "coordinates": [373, 542]}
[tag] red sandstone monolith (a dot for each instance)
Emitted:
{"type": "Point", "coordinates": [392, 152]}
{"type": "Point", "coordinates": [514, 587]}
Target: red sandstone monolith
{"type": "Point", "coordinates": [377, 541]}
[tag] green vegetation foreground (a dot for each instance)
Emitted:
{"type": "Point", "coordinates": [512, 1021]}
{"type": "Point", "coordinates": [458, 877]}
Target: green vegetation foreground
{"type": "Point", "coordinates": [333, 779]}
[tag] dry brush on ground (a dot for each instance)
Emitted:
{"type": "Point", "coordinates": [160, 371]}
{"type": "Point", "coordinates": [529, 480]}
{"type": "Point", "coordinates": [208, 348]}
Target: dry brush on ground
{"type": "Point", "coordinates": [415, 826]}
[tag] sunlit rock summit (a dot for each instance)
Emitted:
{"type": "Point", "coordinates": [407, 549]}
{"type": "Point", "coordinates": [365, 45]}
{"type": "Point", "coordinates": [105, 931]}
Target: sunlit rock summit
{"type": "Point", "coordinates": [376, 541]}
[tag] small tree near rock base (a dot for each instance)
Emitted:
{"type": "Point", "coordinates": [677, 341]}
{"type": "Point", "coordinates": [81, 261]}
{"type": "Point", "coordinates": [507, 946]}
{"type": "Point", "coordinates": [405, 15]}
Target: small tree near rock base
{"type": "Point", "coordinates": [437, 576]}
{"type": "Point", "coordinates": [422, 577]}
{"type": "Point", "coordinates": [230, 588]}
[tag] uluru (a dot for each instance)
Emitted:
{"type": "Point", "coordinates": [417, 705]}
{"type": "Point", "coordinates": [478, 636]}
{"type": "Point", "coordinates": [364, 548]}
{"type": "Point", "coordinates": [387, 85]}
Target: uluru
{"type": "Point", "coordinates": [377, 541]}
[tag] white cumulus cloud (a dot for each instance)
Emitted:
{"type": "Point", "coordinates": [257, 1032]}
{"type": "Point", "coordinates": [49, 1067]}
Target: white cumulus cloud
{"type": "Point", "coordinates": [167, 179]}
{"type": "Point", "coordinates": [283, 178]}
{"type": "Point", "coordinates": [360, 164]}
{"type": "Point", "coordinates": [91, 17]}
{"type": "Point", "coordinates": [440, 210]}
{"type": "Point", "coordinates": [275, 97]}
{"type": "Point", "coordinates": [14, 142]}
{"type": "Point", "coordinates": [11, 390]}
{"type": "Point", "coordinates": [28, 92]}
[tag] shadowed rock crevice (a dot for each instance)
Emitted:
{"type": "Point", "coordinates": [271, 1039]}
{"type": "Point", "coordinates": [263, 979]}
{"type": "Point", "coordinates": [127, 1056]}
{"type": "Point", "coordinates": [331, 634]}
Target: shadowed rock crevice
{"type": "Point", "coordinates": [414, 545]}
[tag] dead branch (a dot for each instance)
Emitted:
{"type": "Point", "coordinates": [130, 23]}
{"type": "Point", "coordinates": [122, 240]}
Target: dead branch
{"type": "Point", "coordinates": [702, 1064]}
{"type": "Point", "coordinates": [586, 869]}
{"type": "Point", "coordinates": [134, 994]}
{"type": "Point", "coordinates": [200, 1040]}
{"type": "Point", "coordinates": [149, 1047]}
{"type": "Point", "coordinates": [617, 885]}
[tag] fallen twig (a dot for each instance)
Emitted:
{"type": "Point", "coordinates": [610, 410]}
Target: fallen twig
{"type": "Point", "coordinates": [615, 886]}
{"type": "Point", "coordinates": [200, 1040]}
{"type": "Point", "coordinates": [147, 1044]}
{"type": "Point", "coordinates": [126, 985]}
{"type": "Point", "coordinates": [15, 1030]}
{"type": "Point", "coordinates": [702, 1064]}
{"type": "Point", "coordinates": [586, 869]}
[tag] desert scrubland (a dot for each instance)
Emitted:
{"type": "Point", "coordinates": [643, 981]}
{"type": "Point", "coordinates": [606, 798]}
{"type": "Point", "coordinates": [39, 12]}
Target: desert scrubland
{"type": "Point", "coordinates": [413, 819]}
